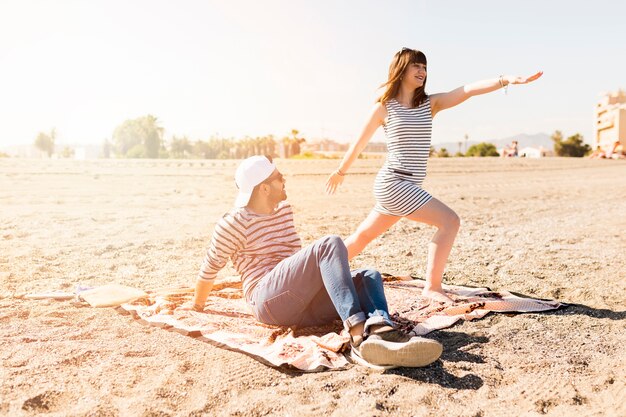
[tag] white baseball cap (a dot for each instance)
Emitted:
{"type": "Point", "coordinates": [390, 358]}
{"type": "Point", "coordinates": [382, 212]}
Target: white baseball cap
{"type": "Point", "coordinates": [250, 173]}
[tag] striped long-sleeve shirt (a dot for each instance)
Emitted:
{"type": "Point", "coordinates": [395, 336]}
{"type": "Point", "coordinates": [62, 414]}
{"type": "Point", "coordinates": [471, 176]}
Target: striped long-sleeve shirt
{"type": "Point", "coordinates": [255, 243]}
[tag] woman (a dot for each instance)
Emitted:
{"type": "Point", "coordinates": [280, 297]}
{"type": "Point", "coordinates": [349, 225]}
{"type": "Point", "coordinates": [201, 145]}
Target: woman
{"type": "Point", "coordinates": [406, 112]}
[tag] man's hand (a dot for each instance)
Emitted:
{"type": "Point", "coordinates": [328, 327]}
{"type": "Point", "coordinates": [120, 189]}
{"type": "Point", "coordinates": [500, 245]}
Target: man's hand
{"type": "Point", "coordinates": [203, 288]}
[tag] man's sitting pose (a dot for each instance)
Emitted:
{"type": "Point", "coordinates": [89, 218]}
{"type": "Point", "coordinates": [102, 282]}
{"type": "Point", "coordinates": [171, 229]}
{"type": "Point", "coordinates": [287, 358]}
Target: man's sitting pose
{"type": "Point", "coordinates": [289, 286]}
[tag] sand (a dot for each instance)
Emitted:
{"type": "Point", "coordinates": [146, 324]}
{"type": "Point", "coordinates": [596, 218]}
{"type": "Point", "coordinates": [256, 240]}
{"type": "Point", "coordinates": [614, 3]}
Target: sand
{"type": "Point", "coordinates": [550, 228]}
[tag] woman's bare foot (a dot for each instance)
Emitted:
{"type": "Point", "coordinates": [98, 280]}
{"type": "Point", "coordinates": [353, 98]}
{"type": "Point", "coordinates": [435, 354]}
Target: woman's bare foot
{"type": "Point", "coordinates": [437, 295]}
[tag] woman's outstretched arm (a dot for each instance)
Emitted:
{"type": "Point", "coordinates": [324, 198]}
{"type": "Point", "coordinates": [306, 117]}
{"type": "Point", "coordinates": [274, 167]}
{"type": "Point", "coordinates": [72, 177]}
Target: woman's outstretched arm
{"type": "Point", "coordinates": [376, 119]}
{"type": "Point", "coordinates": [442, 101]}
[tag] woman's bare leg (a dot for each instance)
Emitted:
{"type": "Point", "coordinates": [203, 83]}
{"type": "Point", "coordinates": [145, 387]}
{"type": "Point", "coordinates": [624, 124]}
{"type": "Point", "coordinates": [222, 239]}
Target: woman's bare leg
{"type": "Point", "coordinates": [373, 226]}
{"type": "Point", "coordinates": [447, 222]}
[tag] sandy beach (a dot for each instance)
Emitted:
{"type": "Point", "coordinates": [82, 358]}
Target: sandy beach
{"type": "Point", "coordinates": [547, 228]}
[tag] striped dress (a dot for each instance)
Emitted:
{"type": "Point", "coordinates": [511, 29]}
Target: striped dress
{"type": "Point", "coordinates": [255, 243]}
{"type": "Point", "coordinates": [398, 185]}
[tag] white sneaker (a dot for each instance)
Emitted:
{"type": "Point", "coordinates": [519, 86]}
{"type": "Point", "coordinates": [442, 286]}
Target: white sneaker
{"type": "Point", "coordinates": [395, 348]}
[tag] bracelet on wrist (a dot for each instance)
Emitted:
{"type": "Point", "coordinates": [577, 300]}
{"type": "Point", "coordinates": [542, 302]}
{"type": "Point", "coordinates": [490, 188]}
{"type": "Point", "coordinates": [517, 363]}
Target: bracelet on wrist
{"type": "Point", "coordinates": [502, 85]}
{"type": "Point", "coordinates": [338, 172]}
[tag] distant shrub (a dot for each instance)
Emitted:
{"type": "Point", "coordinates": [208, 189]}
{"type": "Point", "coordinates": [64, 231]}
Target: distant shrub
{"type": "Point", "coordinates": [223, 155]}
{"type": "Point", "coordinates": [4, 155]}
{"type": "Point", "coordinates": [67, 152]}
{"type": "Point", "coordinates": [45, 142]}
{"type": "Point", "coordinates": [482, 149]}
{"type": "Point", "coordinates": [573, 146]}
{"type": "Point", "coordinates": [144, 131]}
{"type": "Point", "coordinates": [443, 153]}
{"type": "Point", "coordinates": [308, 155]}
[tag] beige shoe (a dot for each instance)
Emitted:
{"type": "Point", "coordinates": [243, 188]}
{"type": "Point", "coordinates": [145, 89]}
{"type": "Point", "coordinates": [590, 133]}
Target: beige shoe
{"type": "Point", "coordinates": [394, 348]}
{"type": "Point", "coordinates": [356, 358]}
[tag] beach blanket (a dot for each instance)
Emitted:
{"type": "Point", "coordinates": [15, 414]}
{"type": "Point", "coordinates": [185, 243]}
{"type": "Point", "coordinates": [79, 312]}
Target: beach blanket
{"type": "Point", "coordinates": [227, 321]}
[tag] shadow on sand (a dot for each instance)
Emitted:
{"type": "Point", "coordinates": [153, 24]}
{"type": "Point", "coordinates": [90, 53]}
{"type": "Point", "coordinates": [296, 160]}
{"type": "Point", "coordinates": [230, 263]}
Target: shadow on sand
{"type": "Point", "coordinates": [437, 374]}
{"type": "Point", "coordinates": [583, 310]}
{"type": "Point", "coordinates": [569, 309]}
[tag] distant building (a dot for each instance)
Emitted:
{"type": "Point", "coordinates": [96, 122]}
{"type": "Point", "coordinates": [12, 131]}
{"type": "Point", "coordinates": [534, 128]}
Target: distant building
{"type": "Point", "coordinates": [610, 121]}
{"type": "Point", "coordinates": [330, 147]}
{"type": "Point", "coordinates": [324, 145]}
{"type": "Point", "coordinates": [24, 151]}
{"type": "Point", "coordinates": [31, 151]}
{"type": "Point", "coordinates": [532, 152]}
{"type": "Point", "coordinates": [80, 153]}
{"type": "Point", "coordinates": [376, 147]}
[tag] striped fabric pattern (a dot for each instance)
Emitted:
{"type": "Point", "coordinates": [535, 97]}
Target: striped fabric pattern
{"type": "Point", "coordinates": [398, 184]}
{"type": "Point", "coordinates": [255, 244]}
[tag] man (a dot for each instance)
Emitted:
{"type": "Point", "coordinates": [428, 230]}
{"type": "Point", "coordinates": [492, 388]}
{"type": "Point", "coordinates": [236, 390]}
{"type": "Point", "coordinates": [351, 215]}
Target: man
{"type": "Point", "coordinates": [290, 286]}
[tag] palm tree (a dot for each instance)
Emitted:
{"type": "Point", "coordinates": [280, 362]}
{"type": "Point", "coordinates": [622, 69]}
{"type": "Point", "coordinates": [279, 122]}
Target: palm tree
{"type": "Point", "coordinates": [181, 147]}
{"type": "Point", "coordinates": [143, 135]}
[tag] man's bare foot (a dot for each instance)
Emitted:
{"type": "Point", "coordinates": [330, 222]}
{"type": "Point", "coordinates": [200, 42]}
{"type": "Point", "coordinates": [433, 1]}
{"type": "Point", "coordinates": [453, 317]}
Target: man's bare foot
{"type": "Point", "coordinates": [439, 296]}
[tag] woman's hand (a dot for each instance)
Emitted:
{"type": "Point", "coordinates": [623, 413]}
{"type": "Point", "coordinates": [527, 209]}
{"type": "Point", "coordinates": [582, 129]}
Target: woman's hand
{"type": "Point", "coordinates": [511, 79]}
{"type": "Point", "coordinates": [333, 182]}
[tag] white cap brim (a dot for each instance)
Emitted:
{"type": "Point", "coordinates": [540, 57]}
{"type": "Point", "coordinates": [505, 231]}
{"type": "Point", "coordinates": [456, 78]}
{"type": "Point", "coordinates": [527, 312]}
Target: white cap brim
{"type": "Point", "coordinates": [242, 199]}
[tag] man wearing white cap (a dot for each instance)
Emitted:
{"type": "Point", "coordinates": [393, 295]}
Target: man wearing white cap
{"type": "Point", "coordinates": [290, 286]}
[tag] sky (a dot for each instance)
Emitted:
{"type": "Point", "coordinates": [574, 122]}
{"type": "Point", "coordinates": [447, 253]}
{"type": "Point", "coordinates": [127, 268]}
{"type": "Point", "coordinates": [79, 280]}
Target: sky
{"type": "Point", "coordinates": [236, 68]}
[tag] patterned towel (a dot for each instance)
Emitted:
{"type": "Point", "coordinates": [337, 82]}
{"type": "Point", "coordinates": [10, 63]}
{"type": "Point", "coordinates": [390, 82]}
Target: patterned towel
{"type": "Point", "coordinates": [228, 322]}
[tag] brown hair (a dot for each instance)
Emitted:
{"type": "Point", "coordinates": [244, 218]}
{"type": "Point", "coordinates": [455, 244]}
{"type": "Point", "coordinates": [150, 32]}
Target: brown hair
{"type": "Point", "coordinates": [401, 60]}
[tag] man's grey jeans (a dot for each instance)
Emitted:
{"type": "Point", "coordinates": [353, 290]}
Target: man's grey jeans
{"type": "Point", "coordinates": [315, 286]}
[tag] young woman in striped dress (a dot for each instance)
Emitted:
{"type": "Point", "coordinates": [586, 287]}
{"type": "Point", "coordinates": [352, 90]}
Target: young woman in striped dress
{"type": "Point", "coordinates": [405, 111]}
